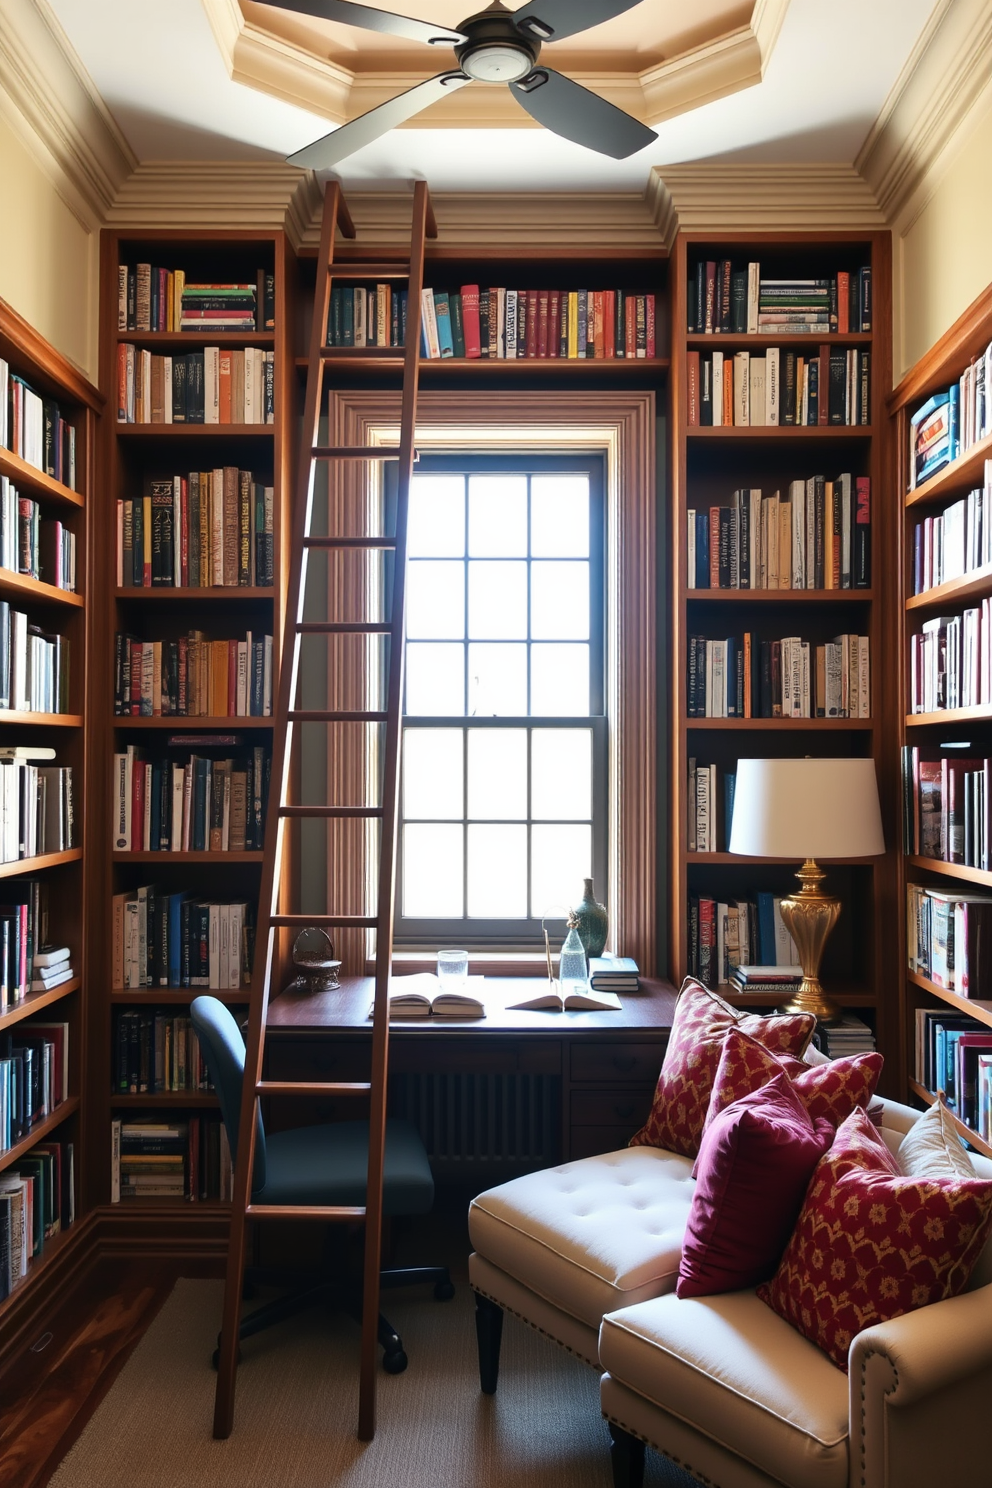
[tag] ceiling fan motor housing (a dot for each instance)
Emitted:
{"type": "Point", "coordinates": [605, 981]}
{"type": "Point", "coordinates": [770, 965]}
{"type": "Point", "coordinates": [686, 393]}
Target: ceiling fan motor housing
{"type": "Point", "coordinates": [495, 52]}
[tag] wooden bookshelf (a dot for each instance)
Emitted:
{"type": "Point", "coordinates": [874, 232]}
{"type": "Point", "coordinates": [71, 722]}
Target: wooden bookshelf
{"type": "Point", "coordinates": [73, 905]}
{"type": "Point", "coordinates": [134, 454]}
{"type": "Point", "coordinates": [942, 365]}
{"type": "Point", "coordinates": [708, 464]}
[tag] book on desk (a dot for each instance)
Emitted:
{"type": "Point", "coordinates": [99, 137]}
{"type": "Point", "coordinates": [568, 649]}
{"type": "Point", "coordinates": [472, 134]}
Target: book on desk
{"type": "Point", "coordinates": [421, 995]}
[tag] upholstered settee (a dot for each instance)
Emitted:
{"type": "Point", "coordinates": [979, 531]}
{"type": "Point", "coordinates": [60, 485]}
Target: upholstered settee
{"type": "Point", "coordinates": [588, 1253]}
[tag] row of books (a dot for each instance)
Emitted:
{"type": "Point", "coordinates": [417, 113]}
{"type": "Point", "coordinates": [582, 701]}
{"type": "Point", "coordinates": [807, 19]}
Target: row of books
{"type": "Point", "coordinates": [779, 387]}
{"type": "Point", "coordinates": [723, 936]}
{"type": "Point", "coordinates": [34, 1078]}
{"type": "Point", "coordinates": [34, 666]}
{"type": "Point", "coordinates": [26, 955]}
{"type": "Point", "coordinates": [214, 386]}
{"type": "Point", "coordinates": [188, 1159]}
{"type": "Point", "coordinates": [820, 538]}
{"type": "Point", "coordinates": [193, 677]}
{"type": "Point", "coordinates": [500, 324]}
{"type": "Point", "coordinates": [744, 677]}
{"type": "Point", "coordinates": [951, 421]}
{"type": "Point", "coordinates": [36, 429]}
{"type": "Point", "coordinates": [950, 665]}
{"type": "Point", "coordinates": [948, 939]}
{"type": "Point", "coordinates": [156, 299]}
{"type": "Point", "coordinates": [155, 1051]}
{"type": "Point", "coordinates": [735, 299]}
{"type": "Point", "coordinates": [205, 529]}
{"type": "Point", "coordinates": [180, 940]}
{"type": "Point", "coordinates": [43, 548]}
{"type": "Point", "coordinates": [954, 1055]}
{"type": "Point", "coordinates": [37, 1202]}
{"type": "Point", "coordinates": [956, 541]}
{"type": "Point", "coordinates": [946, 801]}
{"type": "Point", "coordinates": [709, 807]}
{"type": "Point", "coordinates": [36, 808]}
{"type": "Point", "coordinates": [199, 804]}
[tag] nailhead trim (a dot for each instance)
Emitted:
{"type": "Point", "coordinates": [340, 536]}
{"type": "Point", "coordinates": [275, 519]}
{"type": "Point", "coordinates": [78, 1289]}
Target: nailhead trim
{"type": "Point", "coordinates": [685, 1466]}
{"type": "Point", "coordinates": [538, 1329]}
{"type": "Point", "coordinates": [869, 1353]}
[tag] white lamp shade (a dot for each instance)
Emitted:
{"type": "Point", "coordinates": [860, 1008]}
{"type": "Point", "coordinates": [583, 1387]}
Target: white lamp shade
{"type": "Point", "coordinates": [806, 808]}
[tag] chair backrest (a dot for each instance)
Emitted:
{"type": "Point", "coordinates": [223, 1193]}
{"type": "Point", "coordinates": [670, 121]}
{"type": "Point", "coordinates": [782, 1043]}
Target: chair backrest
{"type": "Point", "coordinates": [224, 1051]}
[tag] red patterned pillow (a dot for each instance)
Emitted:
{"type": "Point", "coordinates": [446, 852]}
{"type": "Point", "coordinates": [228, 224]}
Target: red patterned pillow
{"type": "Point", "coordinates": [870, 1244]}
{"type": "Point", "coordinates": [701, 1023]}
{"type": "Point", "coordinates": [830, 1090]}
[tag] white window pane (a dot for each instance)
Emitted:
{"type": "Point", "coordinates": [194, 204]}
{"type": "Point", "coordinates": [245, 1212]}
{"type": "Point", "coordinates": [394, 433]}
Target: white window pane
{"type": "Point", "coordinates": [433, 762]}
{"type": "Point", "coordinates": [561, 774]}
{"type": "Point", "coordinates": [435, 600]}
{"type": "Point", "coordinates": [497, 873]}
{"type": "Point", "coordinates": [559, 516]}
{"type": "Point", "coordinates": [497, 601]}
{"type": "Point", "coordinates": [497, 516]}
{"type": "Point", "coordinates": [497, 774]}
{"type": "Point", "coordinates": [437, 517]}
{"type": "Point", "coordinates": [435, 679]}
{"type": "Point", "coordinates": [559, 605]}
{"type": "Point", "coordinates": [559, 680]}
{"type": "Point", "coordinates": [432, 872]}
{"type": "Point", "coordinates": [497, 680]}
{"type": "Point", "coordinates": [561, 857]}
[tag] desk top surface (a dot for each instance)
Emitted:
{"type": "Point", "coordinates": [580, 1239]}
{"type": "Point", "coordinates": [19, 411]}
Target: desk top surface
{"type": "Point", "coordinates": [346, 1008]}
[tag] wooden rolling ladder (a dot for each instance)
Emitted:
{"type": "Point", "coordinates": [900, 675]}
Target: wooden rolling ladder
{"type": "Point", "coordinates": [273, 913]}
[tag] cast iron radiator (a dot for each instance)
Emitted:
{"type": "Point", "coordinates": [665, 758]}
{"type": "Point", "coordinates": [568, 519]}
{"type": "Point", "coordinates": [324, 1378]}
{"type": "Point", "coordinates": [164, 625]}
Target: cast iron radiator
{"type": "Point", "coordinates": [477, 1125]}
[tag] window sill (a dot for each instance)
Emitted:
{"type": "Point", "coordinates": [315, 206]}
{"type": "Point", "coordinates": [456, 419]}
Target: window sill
{"type": "Point", "coordinates": [481, 963]}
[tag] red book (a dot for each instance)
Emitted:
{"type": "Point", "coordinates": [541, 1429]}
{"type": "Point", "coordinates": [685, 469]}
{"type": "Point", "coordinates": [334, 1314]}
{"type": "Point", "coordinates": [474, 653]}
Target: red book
{"type": "Point", "coordinates": [522, 302]}
{"type": "Point", "coordinates": [470, 320]}
{"type": "Point", "coordinates": [714, 547]}
{"type": "Point", "coordinates": [183, 533]}
{"type": "Point", "coordinates": [649, 311]}
{"type": "Point", "coordinates": [630, 325]}
{"type": "Point", "coordinates": [542, 323]}
{"type": "Point", "coordinates": [138, 806]}
{"type": "Point", "coordinates": [532, 322]}
{"type": "Point", "coordinates": [609, 323]}
{"type": "Point", "coordinates": [747, 674]}
{"type": "Point", "coordinates": [232, 678]}
{"type": "Point", "coordinates": [554, 323]}
{"type": "Point", "coordinates": [135, 669]}
{"type": "Point", "coordinates": [598, 330]}
{"type": "Point", "coordinates": [843, 302]}
{"type": "Point", "coordinates": [692, 381]}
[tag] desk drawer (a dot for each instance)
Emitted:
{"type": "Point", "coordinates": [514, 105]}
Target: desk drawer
{"type": "Point", "coordinates": [636, 1063]}
{"type": "Point", "coordinates": [627, 1108]}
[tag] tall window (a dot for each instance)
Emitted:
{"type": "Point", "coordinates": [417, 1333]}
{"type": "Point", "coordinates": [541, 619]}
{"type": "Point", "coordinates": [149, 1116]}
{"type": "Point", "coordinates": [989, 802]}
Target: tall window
{"type": "Point", "coordinates": [504, 788]}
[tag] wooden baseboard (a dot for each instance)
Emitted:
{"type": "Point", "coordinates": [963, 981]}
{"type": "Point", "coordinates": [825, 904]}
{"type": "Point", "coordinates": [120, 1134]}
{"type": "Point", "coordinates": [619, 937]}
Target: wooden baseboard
{"type": "Point", "coordinates": [187, 1237]}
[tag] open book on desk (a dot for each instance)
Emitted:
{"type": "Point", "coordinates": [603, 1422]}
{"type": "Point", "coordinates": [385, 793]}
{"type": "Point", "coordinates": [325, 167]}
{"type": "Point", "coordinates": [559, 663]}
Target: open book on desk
{"type": "Point", "coordinates": [421, 996]}
{"type": "Point", "coordinates": [574, 995]}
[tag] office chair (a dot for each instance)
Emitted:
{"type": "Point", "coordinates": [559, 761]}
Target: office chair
{"type": "Point", "coordinates": [325, 1164]}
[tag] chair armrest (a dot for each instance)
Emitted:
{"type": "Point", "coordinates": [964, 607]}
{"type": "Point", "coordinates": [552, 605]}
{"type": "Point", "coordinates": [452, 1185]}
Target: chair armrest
{"type": "Point", "coordinates": [937, 1362]}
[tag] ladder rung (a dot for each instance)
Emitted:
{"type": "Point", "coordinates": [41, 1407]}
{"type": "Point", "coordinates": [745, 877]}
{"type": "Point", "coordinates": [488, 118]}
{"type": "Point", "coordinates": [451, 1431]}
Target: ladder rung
{"type": "Point", "coordinates": [331, 811]}
{"type": "Point", "coordinates": [335, 715]}
{"type": "Point", "coordinates": [349, 542]}
{"type": "Point", "coordinates": [305, 1211]}
{"type": "Point", "coordinates": [343, 627]}
{"type": "Point", "coordinates": [353, 452]}
{"type": "Point", "coordinates": [398, 269]}
{"type": "Point", "coordinates": [341, 922]}
{"type": "Point", "coordinates": [312, 1087]}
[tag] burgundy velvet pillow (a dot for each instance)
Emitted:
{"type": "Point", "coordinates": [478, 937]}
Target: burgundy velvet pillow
{"type": "Point", "coordinates": [754, 1166]}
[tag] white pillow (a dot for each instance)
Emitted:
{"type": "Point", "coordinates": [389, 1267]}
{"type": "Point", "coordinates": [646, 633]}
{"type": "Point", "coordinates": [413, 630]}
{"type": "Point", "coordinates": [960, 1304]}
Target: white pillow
{"type": "Point", "coordinates": [932, 1148]}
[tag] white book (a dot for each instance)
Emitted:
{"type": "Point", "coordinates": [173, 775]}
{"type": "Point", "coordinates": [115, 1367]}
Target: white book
{"type": "Point", "coordinates": [176, 824]}
{"type": "Point", "coordinates": [797, 502]}
{"type": "Point", "coordinates": [690, 582]}
{"type": "Point", "coordinates": [241, 705]}
{"type": "Point", "coordinates": [511, 323]}
{"type": "Point", "coordinates": [756, 391]}
{"type": "Point", "coordinates": [864, 678]}
{"type": "Point", "coordinates": [501, 324]}
{"type": "Point", "coordinates": [429, 324]}
{"type": "Point", "coordinates": [702, 822]}
{"type": "Point", "coordinates": [811, 533]}
{"type": "Point", "coordinates": [753, 297]}
{"type": "Point", "coordinates": [224, 925]}
{"type": "Point", "coordinates": [772, 384]}
{"type": "Point", "coordinates": [250, 410]}
{"type": "Point", "coordinates": [804, 685]}
{"type": "Point", "coordinates": [774, 557]}
{"type": "Point", "coordinates": [754, 556]}
{"type": "Point", "coordinates": [213, 946]}
{"type": "Point", "coordinates": [167, 389]}
{"type": "Point", "coordinates": [718, 387]}
{"type": "Point", "coordinates": [742, 389]}
{"type": "Point", "coordinates": [146, 388]}
{"type": "Point", "coordinates": [234, 953]}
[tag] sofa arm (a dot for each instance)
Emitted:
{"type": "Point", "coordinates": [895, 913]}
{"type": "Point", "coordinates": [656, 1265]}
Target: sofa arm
{"type": "Point", "coordinates": [920, 1386]}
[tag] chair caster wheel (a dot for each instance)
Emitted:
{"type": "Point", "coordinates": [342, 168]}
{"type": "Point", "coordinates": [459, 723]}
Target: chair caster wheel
{"type": "Point", "coordinates": [395, 1363]}
{"type": "Point", "coordinates": [444, 1291]}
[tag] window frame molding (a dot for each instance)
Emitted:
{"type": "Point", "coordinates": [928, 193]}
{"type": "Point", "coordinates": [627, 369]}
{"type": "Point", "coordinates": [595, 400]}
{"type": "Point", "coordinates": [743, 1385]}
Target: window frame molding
{"type": "Point", "coordinates": [620, 426]}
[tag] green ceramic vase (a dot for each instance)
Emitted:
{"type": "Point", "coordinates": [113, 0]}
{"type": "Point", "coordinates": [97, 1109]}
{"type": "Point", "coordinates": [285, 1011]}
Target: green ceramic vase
{"type": "Point", "coordinates": [593, 921]}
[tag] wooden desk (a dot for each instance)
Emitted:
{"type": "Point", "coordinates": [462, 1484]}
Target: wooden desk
{"type": "Point", "coordinates": [513, 1091]}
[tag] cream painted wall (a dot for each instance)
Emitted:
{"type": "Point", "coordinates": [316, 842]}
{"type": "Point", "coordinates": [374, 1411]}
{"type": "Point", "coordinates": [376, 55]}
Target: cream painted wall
{"type": "Point", "coordinates": [945, 258]}
{"type": "Point", "coordinates": [49, 262]}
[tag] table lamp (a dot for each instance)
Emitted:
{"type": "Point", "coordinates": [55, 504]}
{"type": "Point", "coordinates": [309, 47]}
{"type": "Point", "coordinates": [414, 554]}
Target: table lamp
{"type": "Point", "coordinates": [807, 808]}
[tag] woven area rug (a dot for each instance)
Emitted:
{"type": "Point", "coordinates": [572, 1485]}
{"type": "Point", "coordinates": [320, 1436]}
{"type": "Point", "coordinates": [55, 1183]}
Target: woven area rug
{"type": "Point", "coordinates": [297, 1403]}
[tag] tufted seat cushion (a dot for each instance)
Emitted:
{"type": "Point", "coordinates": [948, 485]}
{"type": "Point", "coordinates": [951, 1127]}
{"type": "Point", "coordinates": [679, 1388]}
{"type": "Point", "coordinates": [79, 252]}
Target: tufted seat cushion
{"type": "Point", "coordinates": [592, 1235]}
{"type": "Point", "coordinates": [750, 1383]}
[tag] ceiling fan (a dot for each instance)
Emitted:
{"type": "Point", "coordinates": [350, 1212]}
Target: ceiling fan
{"type": "Point", "coordinates": [495, 46]}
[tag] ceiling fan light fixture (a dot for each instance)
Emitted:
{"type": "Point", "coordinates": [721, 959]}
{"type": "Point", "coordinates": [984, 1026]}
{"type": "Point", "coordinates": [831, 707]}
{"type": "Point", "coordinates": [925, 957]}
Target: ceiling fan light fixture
{"type": "Point", "coordinates": [537, 28]}
{"type": "Point", "coordinates": [496, 62]}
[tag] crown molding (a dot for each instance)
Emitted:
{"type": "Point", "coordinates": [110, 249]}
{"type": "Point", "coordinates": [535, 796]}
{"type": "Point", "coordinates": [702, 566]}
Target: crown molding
{"type": "Point", "coordinates": [225, 193]}
{"type": "Point", "coordinates": [51, 103]}
{"type": "Point", "coordinates": [945, 84]}
{"type": "Point", "coordinates": [701, 197]}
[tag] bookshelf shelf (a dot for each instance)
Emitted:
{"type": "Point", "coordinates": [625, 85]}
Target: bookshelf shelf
{"type": "Point", "coordinates": [781, 725]}
{"type": "Point", "coordinates": [963, 473]}
{"type": "Point", "coordinates": [21, 587]}
{"type": "Point", "coordinates": [150, 996]}
{"type": "Point", "coordinates": [950, 717]}
{"type": "Point", "coordinates": [929, 1099]}
{"type": "Point", "coordinates": [184, 723]}
{"type": "Point", "coordinates": [845, 998]}
{"type": "Point", "coordinates": [195, 340]}
{"type": "Point", "coordinates": [978, 876]}
{"type": "Point", "coordinates": [166, 1100]}
{"type": "Point", "coordinates": [776, 433]}
{"type": "Point", "coordinates": [165, 592]}
{"type": "Point", "coordinates": [779, 596]}
{"type": "Point", "coordinates": [39, 1132]}
{"type": "Point", "coordinates": [187, 857]}
{"type": "Point", "coordinates": [37, 865]}
{"type": "Point", "coordinates": [35, 482]}
{"type": "Point", "coordinates": [981, 1011]}
{"type": "Point", "coordinates": [194, 431]}
{"type": "Point", "coordinates": [974, 585]}
{"type": "Point", "coordinates": [35, 1001]}
{"type": "Point", "coordinates": [746, 340]}
{"type": "Point", "coordinates": [40, 720]}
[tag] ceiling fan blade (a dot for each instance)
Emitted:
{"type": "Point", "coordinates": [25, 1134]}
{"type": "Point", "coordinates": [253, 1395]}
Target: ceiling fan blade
{"type": "Point", "coordinates": [577, 114]}
{"type": "Point", "coordinates": [552, 20]}
{"type": "Point", "coordinates": [362, 131]}
{"type": "Point", "coordinates": [372, 20]}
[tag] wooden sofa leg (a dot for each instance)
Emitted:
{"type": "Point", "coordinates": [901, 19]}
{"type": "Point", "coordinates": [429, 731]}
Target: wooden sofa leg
{"type": "Point", "coordinates": [627, 1458]}
{"type": "Point", "coordinates": [489, 1330]}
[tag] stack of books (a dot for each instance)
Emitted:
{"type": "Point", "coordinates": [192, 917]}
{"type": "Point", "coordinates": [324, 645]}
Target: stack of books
{"type": "Point", "coordinates": [188, 1159]}
{"type": "Point", "coordinates": [613, 973]}
{"type": "Point", "coordinates": [150, 298]}
{"type": "Point", "coordinates": [782, 981]}
{"type": "Point", "coordinates": [850, 1035]}
{"type": "Point", "coordinates": [951, 421]}
{"type": "Point", "coordinates": [832, 386]}
{"type": "Point", "coordinates": [950, 661]}
{"type": "Point", "coordinates": [217, 307]}
{"type": "Point", "coordinates": [52, 965]}
{"type": "Point", "coordinates": [737, 300]}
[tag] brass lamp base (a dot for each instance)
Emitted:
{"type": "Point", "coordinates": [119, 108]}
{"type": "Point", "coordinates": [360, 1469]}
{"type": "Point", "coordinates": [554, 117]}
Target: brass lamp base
{"type": "Point", "coordinates": [809, 917]}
